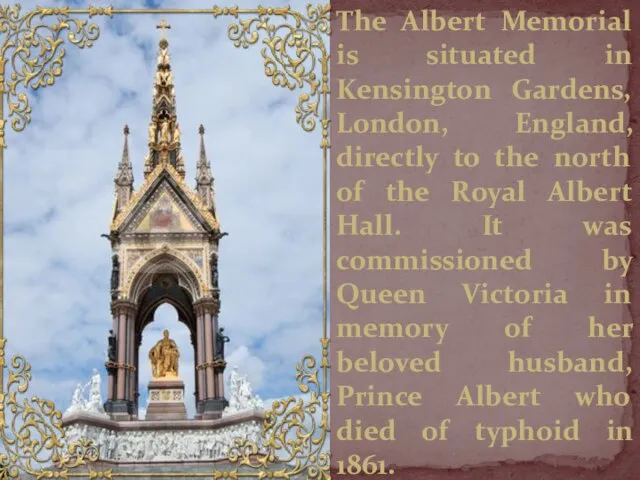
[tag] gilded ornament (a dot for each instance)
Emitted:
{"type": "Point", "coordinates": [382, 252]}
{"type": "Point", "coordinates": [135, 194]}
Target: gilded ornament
{"type": "Point", "coordinates": [164, 358]}
{"type": "Point", "coordinates": [33, 437]}
{"type": "Point", "coordinates": [163, 58]}
{"type": "Point", "coordinates": [164, 131]}
{"type": "Point", "coordinates": [291, 433]}
{"type": "Point", "coordinates": [155, 173]}
{"type": "Point", "coordinates": [293, 54]}
{"type": "Point", "coordinates": [152, 132]}
{"type": "Point", "coordinates": [162, 26]}
{"type": "Point", "coordinates": [32, 52]}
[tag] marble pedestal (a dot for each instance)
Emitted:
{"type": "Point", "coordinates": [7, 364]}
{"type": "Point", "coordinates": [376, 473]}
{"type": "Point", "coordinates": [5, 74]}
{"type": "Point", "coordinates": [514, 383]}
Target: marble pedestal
{"type": "Point", "coordinates": [166, 400]}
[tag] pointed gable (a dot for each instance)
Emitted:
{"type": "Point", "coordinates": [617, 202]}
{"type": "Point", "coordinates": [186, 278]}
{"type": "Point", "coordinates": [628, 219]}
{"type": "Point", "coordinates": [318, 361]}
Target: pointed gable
{"type": "Point", "coordinates": [166, 214]}
{"type": "Point", "coordinates": [164, 204]}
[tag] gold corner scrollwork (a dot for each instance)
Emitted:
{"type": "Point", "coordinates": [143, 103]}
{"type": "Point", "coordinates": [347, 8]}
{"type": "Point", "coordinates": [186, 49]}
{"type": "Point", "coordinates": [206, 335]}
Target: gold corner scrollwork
{"type": "Point", "coordinates": [294, 433]}
{"type": "Point", "coordinates": [32, 52]}
{"type": "Point", "coordinates": [296, 57]}
{"type": "Point", "coordinates": [295, 54]}
{"type": "Point", "coordinates": [32, 434]}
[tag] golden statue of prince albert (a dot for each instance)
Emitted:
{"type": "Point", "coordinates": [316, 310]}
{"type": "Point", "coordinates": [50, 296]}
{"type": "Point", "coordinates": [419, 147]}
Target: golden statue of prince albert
{"type": "Point", "coordinates": [164, 358]}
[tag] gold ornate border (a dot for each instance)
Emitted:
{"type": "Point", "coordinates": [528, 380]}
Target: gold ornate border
{"type": "Point", "coordinates": [295, 50]}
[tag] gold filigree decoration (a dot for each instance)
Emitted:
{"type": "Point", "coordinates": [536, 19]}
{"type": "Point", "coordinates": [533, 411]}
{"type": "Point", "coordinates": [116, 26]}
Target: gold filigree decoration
{"type": "Point", "coordinates": [293, 54]}
{"type": "Point", "coordinates": [32, 434]}
{"type": "Point", "coordinates": [294, 433]}
{"type": "Point", "coordinates": [35, 52]}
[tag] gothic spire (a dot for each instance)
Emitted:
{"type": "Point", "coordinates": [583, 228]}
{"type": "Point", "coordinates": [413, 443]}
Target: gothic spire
{"type": "Point", "coordinates": [124, 177]}
{"type": "Point", "coordinates": [204, 179]}
{"type": "Point", "coordinates": [164, 131]}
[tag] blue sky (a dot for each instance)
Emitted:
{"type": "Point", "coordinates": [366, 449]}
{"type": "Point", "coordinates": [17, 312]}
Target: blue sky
{"type": "Point", "coordinates": [59, 196]}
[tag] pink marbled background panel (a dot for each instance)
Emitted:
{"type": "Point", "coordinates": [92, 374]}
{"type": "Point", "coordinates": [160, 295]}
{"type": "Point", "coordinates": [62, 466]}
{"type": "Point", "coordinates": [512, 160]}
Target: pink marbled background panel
{"type": "Point", "coordinates": [474, 350]}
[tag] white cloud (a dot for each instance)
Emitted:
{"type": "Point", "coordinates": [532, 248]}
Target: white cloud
{"type": "Point", "coordinates": [59, 194]}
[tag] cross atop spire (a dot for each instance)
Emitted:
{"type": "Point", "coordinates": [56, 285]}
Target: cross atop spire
{"type": "Point", "coordinates": [162, 26]}
{"type": "Point", "coordinates": [164, 160]}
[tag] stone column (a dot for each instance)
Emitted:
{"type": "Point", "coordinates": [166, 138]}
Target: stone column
{"type": "Point", "coordinates": [136, 376]}
{"type": "Point", "coordinates": [200, 354]}
{"type": "Point", "coordinates": [220, 393]}
{"type": "Point", "coordinates": [219, 365]}
{"type": "Point", "coordinates": [196, 362]}
{"type": "Point", "coordinates": [209, 336]}
{"type": "Point", "coordinates": [122, 352]}
{"type": "Point", "coordinates": [124, 317]}
{"type": "Point", "coordinates": [211, 405]}
{"type": "Point", "coordinates": [131, 372]}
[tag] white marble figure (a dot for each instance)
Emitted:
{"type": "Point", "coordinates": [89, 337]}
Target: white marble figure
{"type": "Point", "coordinates": [101, 443]}
{"type": "Point", "coordinates": [94, 403]}
{"type": "Point", "coordinates": [241, 397]}
{"type": "Point", "coordinates": [71, 436]}
{"type": "Point", "coordinates": [111, 445]}
{"type": "Point", "coordinates": [77, 401]}
{"type": "Point", "coordinates": [95, 394]}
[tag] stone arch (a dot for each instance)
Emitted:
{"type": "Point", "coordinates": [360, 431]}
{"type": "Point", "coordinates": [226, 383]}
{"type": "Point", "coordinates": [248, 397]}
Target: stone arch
{"type": "Point", "coordinates": [164, 260]}
{"type": "Point", "coordinates": [165, 275]}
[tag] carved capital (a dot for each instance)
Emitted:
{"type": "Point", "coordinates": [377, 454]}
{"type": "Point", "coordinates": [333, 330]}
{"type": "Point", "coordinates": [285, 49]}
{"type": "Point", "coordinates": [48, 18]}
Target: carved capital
{"type": "Point", "coordinates": [122, 306]}
{"type": "Point", "coordinates": [208, 304]}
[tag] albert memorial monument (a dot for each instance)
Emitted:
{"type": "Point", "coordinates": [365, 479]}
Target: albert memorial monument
{"type": "Point", "coordinates": [164, 249]}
